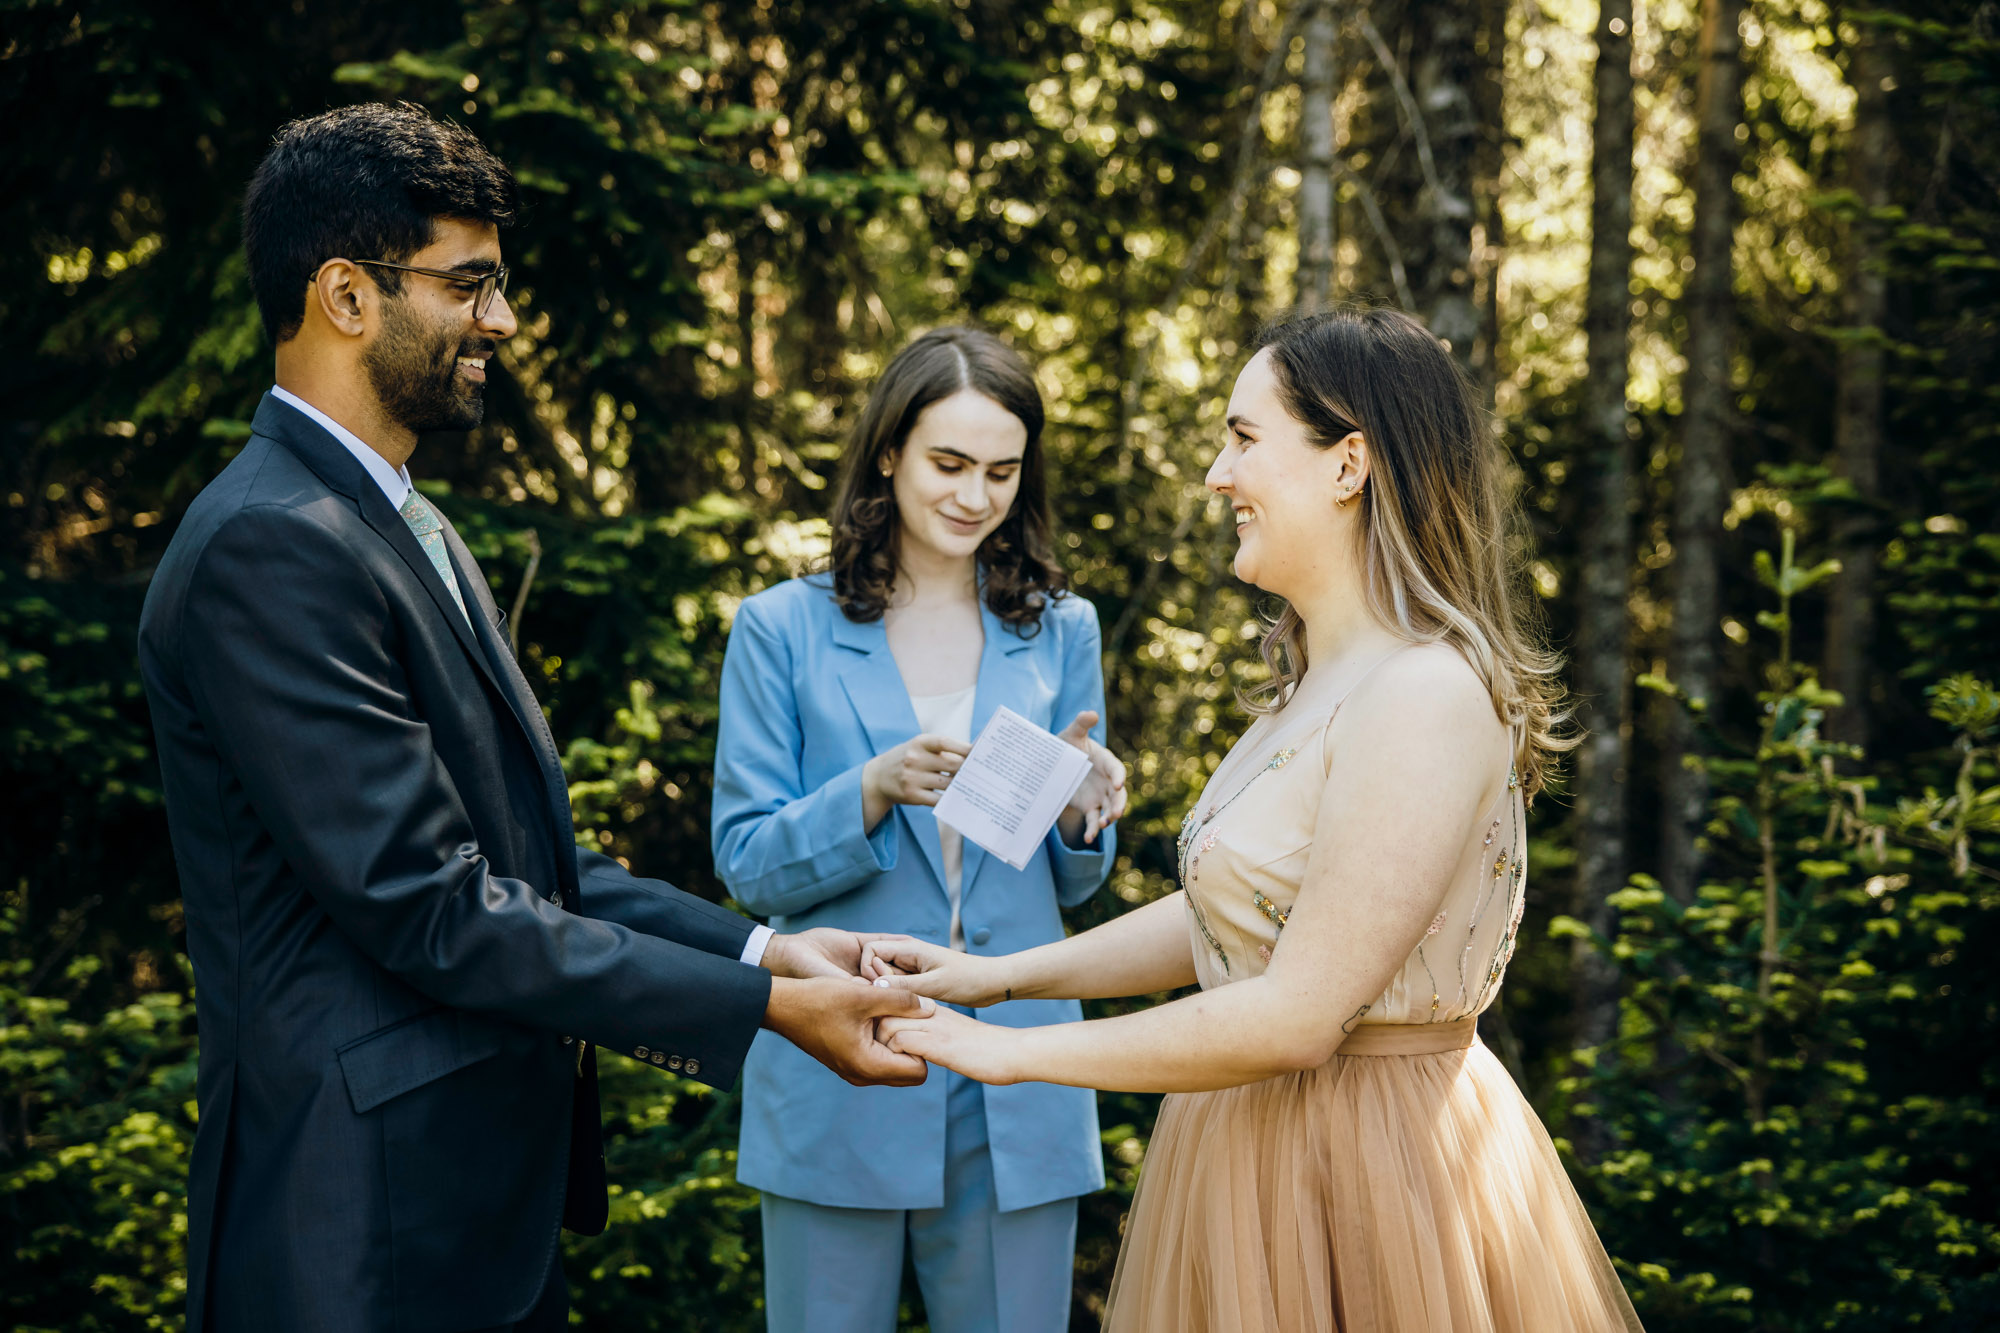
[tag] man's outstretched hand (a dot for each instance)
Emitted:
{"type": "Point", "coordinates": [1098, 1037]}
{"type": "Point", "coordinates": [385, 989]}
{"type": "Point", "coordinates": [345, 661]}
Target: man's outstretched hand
{"type": "Point", "coordinates": [833, 1020]}
{"type": "Point", "coordinates": [823, 952]}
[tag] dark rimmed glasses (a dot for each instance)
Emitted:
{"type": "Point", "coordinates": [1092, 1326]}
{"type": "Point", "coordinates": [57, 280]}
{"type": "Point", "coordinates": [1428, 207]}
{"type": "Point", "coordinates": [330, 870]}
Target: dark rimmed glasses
{"type": "Point", "coordinates": [483, 287]}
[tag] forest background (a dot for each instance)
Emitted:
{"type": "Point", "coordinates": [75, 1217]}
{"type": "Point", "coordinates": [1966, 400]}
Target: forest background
{"type": "Point", "coordinates": [1727, 272]}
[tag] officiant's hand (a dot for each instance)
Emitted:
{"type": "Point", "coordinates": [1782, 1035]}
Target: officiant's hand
{"type": "Point", "coordinates": [820, 952]}
{"type": "Point", "coordinates": [913, 773]}
{"type": "Point", "coordinates": [986, 1052]}
{"type": "Point", "coordinates": [899, 962]}
{"type": "Point", "coordinates": [1100, 799]}
{"type": "Point", "coordinates": [834, 1021]}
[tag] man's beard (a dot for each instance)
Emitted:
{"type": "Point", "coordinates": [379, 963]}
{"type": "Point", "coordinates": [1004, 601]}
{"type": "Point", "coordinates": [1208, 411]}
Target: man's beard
{"type": "Point", "coordinates": [414, 371]}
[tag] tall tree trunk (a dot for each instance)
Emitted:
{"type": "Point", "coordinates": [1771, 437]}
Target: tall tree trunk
{"type": "Point", "coordinates": [1857, 425]}
{"type": "Point", "coordinates": [1425, 134]}
{"type": "Point", "coordinates": [1602, 675]}
{"type": "Point", "coordinates": [1706, 396]}
{"type": "Point", "coordinates": [1447, 63]}
{"type": "Point", "coordinates": [1315, 274]}
{"type": "Point", "coordinates": [1488, 238]}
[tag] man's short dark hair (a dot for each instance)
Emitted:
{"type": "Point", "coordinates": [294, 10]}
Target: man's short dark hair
{"type": "Point", "coordinates": [361, 182]}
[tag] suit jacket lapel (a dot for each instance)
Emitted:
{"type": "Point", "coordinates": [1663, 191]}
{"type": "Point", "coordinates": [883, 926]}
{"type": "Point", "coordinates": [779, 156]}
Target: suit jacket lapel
{"type": "Point", "coordinates": [332, 464]}
{"type": "Point", "coordinates": [875, 687]}
{"type": "Point", "coordinates": [1001, 681]}
{"type": "Point", "coordinates": [514, 687]}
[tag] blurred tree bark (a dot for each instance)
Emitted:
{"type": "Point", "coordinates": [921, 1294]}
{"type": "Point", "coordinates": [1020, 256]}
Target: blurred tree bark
{"type": "Point", "coordinates": [1857, 423]}
{"type": "Point", "coordinates": [1436, 69]}
{"type": "Point", "coordinates": [1706, 416]}
{"type": "Point", "coordinates": [1315, 275]}
{"type": "Point", "coordinates": [1445, 66]}
{"type": "Point", "coordinates": [1601, 671]}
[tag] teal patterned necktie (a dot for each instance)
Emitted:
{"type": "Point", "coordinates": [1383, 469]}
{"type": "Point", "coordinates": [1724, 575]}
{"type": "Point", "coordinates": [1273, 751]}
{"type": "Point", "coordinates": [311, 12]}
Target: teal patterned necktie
{"type": "Point", "coordinates": [429, 529]}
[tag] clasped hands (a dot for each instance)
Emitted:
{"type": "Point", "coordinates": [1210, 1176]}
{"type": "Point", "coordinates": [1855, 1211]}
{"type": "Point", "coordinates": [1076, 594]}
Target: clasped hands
{"type": "Point", "coordinates": [888, 1029]}
{"type": "Point", "coordinates": [865, 1006]}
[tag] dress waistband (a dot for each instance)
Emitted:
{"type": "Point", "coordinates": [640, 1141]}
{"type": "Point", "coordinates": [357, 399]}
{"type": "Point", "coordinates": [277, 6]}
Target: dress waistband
{"type": "Point", "coordinates": [1410, 1038]}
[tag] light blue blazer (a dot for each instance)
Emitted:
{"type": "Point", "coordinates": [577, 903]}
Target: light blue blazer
{"type": "Point", "coordinates": [808, 697]}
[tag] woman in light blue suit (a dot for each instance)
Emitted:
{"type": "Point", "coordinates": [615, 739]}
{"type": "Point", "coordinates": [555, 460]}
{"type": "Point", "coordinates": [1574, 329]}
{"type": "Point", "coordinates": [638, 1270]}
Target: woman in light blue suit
{"type": "Point", "coordinates": [848, 699]}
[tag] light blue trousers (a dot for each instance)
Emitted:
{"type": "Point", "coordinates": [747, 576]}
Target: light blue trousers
{"type": "Point", "coordinates": [840, 1270]}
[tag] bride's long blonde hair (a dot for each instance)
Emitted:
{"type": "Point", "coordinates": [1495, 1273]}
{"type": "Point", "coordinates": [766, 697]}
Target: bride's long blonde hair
{"type": "Point", "coordinates": [1435, 518]}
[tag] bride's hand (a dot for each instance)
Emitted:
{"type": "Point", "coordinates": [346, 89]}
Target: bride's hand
{"type": "Point", "coordinates": [982, 1051]}
{"type": "Point", "coordinates": [933, 970]}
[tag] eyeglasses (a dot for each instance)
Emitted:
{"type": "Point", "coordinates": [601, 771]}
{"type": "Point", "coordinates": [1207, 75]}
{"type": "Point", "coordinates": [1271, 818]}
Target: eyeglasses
{"type": "Point", "coordinates": [482, 287]}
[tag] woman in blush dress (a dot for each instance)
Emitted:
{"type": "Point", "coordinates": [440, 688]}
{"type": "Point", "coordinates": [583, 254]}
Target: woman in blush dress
{"type": "Point", "coordinates": [849, 697]}
{"type": "Point", "coordinates": [1339, 1151]}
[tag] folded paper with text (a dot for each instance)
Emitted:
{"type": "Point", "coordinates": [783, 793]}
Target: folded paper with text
{"type": "Point", "coordinates": [1012, 786]}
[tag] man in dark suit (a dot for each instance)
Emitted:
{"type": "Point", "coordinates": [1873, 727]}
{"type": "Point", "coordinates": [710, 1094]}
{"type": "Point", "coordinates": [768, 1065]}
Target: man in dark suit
{"type": "Point", "coordinates": [402, 959]}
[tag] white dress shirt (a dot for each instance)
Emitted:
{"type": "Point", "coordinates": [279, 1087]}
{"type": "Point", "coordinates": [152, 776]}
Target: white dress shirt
{"type": "Point", "coordinates": [949, 715]}
{"type": "Point", "coordinates": [396, 487]}
{"type": "Point", "coordinates": [394, 481]}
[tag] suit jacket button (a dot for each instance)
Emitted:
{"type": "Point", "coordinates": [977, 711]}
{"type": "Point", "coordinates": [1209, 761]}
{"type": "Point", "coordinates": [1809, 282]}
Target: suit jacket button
{"type": "Point", "coordinates": [693, 1068]}
{"type": "Point", "coordinates": [658, 1058]}
{"type": "Point", "coordinates": [556, 898]}
{"type": "Point", "coordinates": [641, 1052]}
{"type": "Point", "coordinates": [981, 935]}
{"type": "Point", "coordinates": [569, 1041]}
{"type": "Point", "coordinates": [673, 1062]}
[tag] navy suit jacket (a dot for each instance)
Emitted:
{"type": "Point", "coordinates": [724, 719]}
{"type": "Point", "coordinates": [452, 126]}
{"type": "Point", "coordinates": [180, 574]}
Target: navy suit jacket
{"type": "Point", "coordinates": [399, 951]}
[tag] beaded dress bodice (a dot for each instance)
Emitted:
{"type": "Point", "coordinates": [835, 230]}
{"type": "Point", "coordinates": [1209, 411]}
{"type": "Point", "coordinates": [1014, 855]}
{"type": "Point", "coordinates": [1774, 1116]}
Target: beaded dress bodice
{"type": "Point", "coordinates": [1245, 846]}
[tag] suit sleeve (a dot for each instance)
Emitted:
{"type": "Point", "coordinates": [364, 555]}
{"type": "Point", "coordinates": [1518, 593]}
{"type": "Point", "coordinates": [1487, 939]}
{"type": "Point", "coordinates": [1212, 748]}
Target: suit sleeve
{"type": "Point", "coordinates": [780, 848]}
{"type": "Point", "coordinates": [655, 907]}
{"type": "Point", "coordinates": [1080, 872]}
{"type": "Point", "coordinates": [292, 656]}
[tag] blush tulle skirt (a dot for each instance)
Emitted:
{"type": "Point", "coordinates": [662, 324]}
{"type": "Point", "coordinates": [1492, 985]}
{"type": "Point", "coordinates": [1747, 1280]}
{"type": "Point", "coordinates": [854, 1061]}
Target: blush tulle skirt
{"type": "Point", "coordinates": [1403, 1187]}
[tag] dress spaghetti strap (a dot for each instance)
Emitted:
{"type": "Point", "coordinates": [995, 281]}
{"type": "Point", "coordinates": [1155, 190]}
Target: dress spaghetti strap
{"type": "Point", "coordinates": [1373, 667]}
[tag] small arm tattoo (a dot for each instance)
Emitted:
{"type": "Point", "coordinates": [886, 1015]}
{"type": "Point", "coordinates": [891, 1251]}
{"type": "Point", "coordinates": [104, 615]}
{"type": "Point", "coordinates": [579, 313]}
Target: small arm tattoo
{"type": "Point", "coordinates": [1359, 1014]}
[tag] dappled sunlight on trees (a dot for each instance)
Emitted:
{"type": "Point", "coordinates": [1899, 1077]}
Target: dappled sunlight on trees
{"type": "Point", "coordinates": [1774, 1079]}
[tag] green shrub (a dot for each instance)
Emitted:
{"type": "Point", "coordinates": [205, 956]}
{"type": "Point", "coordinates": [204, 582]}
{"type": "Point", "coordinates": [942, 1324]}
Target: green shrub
{"type": "Point", "coordinates": [1805, 1128]}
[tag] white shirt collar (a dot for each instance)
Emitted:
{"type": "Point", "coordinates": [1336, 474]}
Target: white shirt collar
{"type": "Point", "coordinates": [394, 481]}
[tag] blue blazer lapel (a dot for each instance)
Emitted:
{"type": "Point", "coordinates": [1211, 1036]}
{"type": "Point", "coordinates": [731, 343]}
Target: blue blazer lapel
{"type": "Point", "coordinates": [875, 687]}
{"type": "Point", "coordinates": [1002, 682]}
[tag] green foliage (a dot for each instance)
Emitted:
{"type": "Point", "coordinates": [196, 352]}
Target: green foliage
{"type": "Point", "coordinates": [682, 1250]}
{"type": "Point", "coordinates": [1804, 1126]}
{"type": "Point", "coordinates": [738, 212]}
{"type": "Point", "coordinates": [94, 1143]}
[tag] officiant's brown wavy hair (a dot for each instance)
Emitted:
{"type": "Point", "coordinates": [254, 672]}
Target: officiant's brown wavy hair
{"type": "Point", "coordinates": [1441, 548]}
{"type": "Point", "coordinates": [1017, 561]}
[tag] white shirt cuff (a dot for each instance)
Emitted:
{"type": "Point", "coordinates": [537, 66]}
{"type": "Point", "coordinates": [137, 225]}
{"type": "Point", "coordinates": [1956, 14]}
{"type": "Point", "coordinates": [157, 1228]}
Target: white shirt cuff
{"type": "Point", "coordinates": [753, 948]}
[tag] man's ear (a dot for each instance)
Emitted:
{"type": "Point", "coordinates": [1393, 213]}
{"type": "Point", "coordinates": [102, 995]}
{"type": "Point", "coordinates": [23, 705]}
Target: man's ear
{"type": "Point", "coordinates": [342, 297]}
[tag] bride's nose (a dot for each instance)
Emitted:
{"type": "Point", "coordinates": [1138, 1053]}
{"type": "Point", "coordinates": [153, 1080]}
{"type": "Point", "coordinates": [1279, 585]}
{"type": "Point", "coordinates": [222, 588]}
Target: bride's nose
{"type": "Point", "coordinates": [1222, 471]}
